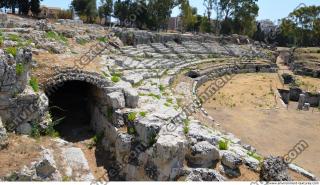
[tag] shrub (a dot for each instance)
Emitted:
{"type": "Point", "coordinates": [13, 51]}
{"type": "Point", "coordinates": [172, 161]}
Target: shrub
{"type": "Point", "coordinates": [223, 144]}
{"type": "Point", "coordinates": [12, 51]}
{"type": "Point", "coordinates": [132, 116]}
{"type": "Point", "coordinates": [152, 139]}
{"type": "Point", "coordinates": [50, 131]}
{"type": "Point", "coordinates": [19, 69]}
{"type": "Point", "coordinates": [34, 84]}
{"type": "Point", "coordinates": [115, 79]}
{"type": "Point", "coordinates": [109, 113]}
{"type": "Point", "coordinates": [143, 114]}
{"type": "Point", "coordinates": [35, 131]}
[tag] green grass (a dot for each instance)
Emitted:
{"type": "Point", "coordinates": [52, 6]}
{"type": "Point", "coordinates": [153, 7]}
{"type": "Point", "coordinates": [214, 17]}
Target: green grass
{"type": "Point", "coordinates": [161, 88]}
{"type": "Point", "coordinates": [50, 131]}
{"type": "Point", "coordinates": [102, 39]}
{"type": "Point", "coordinates": [223, 144]}
{"type": "Point", "coordinates": [132, 116]}
{"type": "Point", "coordinates": [55, 36]}
{"type": "Point", "coordinates": [132, 131]}
{"type": "Point", "coordinates": [255, 155]}
{"type": "Point", "coordinates": [14, 37]}
{"type": "Point", "coordinates": [1, 41]}
{"type": "Point", "coordinates": [151, 95]}
{"type": "Point", "coordinates": [34, 84]}
{"type": "Point", "coordinates": [143, 114]}
{"type": "Point", "coordinates": [186, 124]}
{"type": "Point", "coordinates": [19, 69]}
{"type": "Point", "coordinates": [115, 79]}
{"type": "Point", "coordinates": [12, 51]}
{"type": "Point", "coordinates": [170, 100]}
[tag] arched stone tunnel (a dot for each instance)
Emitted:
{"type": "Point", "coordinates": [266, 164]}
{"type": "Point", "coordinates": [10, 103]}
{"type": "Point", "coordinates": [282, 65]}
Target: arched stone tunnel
{"type": "Point", "coordinates": [77, 102]}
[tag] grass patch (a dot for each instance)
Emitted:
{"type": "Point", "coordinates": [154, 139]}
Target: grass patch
{"type": "Point", "coordinates": [34, 84]}
{"type": "Point", "coordinates": [223, 144]}
{"type": "Point", "coordinates": [50, 131]}
{"type": "Point", "coordinates": [186, 124]}
{"type": "Point", "coordinates": [142, 114]}
{"type": "Point", "coordinates": [19, 69]}
{"type": "Point", "coordinates": [12, 51]}
{"type": "Point", "coordinates": [14, 37]}
{"type": "Point", "coordinates": [132, 131]}
{"type": "Point", "coordinates": [170, 100]}
{"type": "Point", "coordinates": [55, 36]}
{"type": "Point", "coordinates": [161, 88]}
{"type": "Point", "coordinates": [1, 41]}
{"type": "Point", "coordinates": [132, 116]}
{"type": "Point", "coordinates": [255, 155]}
{"type": "Point", "coordinates": [115, 79]}
{"type": "Point", "coordinates": [102, 39]}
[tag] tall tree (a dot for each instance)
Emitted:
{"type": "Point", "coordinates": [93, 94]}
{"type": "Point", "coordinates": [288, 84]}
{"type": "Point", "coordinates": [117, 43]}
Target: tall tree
{"type": "Point", "coordinates": [188, 15]}
{"type": "Point", "coordinates": [35, 7]}
{"type": "Point", "coordinates": [23, 6]}
{"type": "Point", "coordinates": [105, 9]}
{"type": "Point", "coordinates": [87, 8]}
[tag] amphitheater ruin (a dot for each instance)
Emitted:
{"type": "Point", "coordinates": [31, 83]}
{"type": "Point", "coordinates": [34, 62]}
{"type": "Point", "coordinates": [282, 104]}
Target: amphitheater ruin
{"type": "Point", "coordinates": [87, 103]}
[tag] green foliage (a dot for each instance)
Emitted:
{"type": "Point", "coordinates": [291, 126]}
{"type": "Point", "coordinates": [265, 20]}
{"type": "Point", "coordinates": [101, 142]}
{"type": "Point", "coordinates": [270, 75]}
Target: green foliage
{"type": "Point", "coordinates": [170, 100]}
{"type": "Point", "coordinates": [132, 131]}
{"type": "Point", "coordinates": [57, 37]}
{"type": "Point", "coordinates": [95, 140]}
{"type": "Point", "coordinates": [161, 88]}
{"type": "Point", "coordinates": [255, 155]}
{"type": "Point", "coordinates": [143, 114]}
{"type": "Point", "coordinates": [223, 144]}
{"type": "Point", "coordinates": [86, 8]}
{"type": "Point", "coordinates": [115, 79]}
{"type": "Point", "coordinates": [34, 84]}
{"type": "Point", "coordinates": [12, 51]}
{"type": "Point", "coordinates": [50, 131]}
{"type": "Point", "coordinates": [1, 41]}
{"type": "Point", "coordinates": [14, 37]}
{"type": "Point", "coordinates": [102, 39]}
{"type": "Point", "coordinates": [19, 69]}
{"type": "Point", "coordinates": [151, 95]}
{"type": "Point", "coordinates": [132, 116]}
{"type": "Point", "coordinates": [188, 15]}
{"type": "Point", "coordinates": [35, 131]}
{"type": "Point", "coordinates": [186, 124]}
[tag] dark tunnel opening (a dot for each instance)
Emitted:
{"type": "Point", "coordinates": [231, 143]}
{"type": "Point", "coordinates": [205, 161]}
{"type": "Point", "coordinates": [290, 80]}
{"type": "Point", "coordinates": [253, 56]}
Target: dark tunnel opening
{"type": "Point", "coordinates": [70, 110]}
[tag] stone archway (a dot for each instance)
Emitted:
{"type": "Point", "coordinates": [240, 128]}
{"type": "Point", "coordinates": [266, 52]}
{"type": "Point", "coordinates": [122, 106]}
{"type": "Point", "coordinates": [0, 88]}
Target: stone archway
{"type": "Point", "coordinates": [78, 101]}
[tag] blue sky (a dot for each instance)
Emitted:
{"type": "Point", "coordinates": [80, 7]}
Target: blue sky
{"type": "Point", "coordinates": [269, 9]}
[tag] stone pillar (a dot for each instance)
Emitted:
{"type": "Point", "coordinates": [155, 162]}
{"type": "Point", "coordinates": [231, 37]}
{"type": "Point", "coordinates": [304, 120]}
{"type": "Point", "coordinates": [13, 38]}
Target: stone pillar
{"type": "Point", "coordinates": [302, 99]}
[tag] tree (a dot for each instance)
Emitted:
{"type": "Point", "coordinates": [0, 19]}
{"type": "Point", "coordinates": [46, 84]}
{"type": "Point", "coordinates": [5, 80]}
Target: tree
{"type": "Point", "coordinates": [23, 6]}
{"type": "Point", "coordinates": [121, 11]}
{"type": "Point", "coordinates": [35, 7]}
{"type": "Point", "coordinates": [239, 16]}
{"type": "Point", "coordinates": [301, 27]}
{"type": "Point", "coordinates": [106, 8]}
{"type": "Point", "coordinates": [205, 26]}
{"type": "Point", "coordinates": [159, 12]}
{"type": "Point", "coordinates": [188, 15]}
{"type": "Point", "coordinates": [86, 8]}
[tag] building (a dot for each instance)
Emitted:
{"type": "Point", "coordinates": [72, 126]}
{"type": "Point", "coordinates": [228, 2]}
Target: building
{"type": "Point", "coordinates": [49, 12]}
